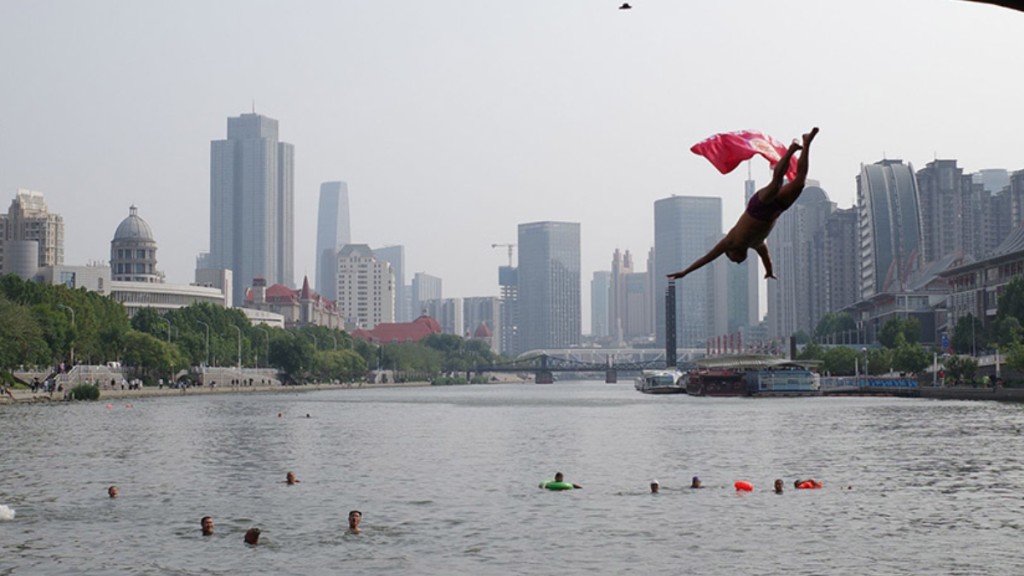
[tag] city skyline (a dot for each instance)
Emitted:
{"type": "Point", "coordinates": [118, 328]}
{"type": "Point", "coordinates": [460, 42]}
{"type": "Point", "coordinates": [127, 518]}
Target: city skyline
{"type": "Point", "coordinates": [431, 111]}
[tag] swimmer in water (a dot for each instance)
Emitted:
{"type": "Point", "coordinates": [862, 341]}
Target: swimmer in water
{"type": "Point", "coordinates": [354, 518]}
{"type": "Point", "coordinates": [290, 478]}
{"type": "Point", "coordinates": [655, 487]}
{"type": "Point", "coordinates": [252, 536]}
{"type": "Point", "coordinates": [778, 485]}
{"type": "Point", "coordinates": [113, 491]}
{"type": "Point", "coordinates": [763, 209]}
{"type": "Point", "coordinates": [559, 477]}
{"type": "Point", "coordinates": [206, 524]}
{"type": "Point", "coordinates": [695, 483]}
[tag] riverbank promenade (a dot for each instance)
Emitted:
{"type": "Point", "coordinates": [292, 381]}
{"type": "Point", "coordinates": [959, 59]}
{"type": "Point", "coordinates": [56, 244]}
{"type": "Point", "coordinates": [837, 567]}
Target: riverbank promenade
{"type": "Point", "coordinates": [27, 396]}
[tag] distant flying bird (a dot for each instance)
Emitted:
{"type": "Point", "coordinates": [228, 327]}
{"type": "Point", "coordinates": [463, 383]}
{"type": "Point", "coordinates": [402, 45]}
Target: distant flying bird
{"type": "Point", "coordinates": [625, 6]}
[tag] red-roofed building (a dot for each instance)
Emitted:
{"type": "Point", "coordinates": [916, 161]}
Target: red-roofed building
{"type": "Point", "coordinates": [392, 332]}
{"type": "Point", "coordinates": [302, 307]}
{"type": "Point", "coordinates": [483, 332]}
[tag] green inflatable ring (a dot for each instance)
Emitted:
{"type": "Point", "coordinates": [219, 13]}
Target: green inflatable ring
{"type": "Point", "coordinates": [552, 485]}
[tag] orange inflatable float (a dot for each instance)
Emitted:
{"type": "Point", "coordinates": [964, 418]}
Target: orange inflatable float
{"type": "Point", "coordinates": [808, 485]}
{"type": "Point", "coordinates": [744, 486]}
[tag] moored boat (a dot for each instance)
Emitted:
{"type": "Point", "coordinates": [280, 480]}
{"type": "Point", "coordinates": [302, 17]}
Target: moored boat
{"type": "Point", "coordinates": [753, 376]}
{"type": "Point", "coordinates": [661, 382]}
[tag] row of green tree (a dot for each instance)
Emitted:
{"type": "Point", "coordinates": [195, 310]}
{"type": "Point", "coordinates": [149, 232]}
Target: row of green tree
{"type": "Point", "coordinates": [901, 350]}
{"type": "Point", "coordinates": [43, 325]}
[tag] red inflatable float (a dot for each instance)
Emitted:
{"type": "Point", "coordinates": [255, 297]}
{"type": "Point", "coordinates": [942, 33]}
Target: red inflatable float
{"type": "Point", "coordinates": [744, 486]}
{"type": "Point", "coordinates": [808, 485]}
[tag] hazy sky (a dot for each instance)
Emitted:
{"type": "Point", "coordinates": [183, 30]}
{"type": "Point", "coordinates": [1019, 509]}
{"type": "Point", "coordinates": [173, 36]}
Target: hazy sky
{"type": "Point", "coordinates": [454, 121]}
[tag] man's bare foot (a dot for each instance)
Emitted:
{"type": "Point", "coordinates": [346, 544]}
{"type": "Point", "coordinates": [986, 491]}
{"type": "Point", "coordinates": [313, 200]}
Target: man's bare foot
{"type": "Point", "coordinates": [810, 135]}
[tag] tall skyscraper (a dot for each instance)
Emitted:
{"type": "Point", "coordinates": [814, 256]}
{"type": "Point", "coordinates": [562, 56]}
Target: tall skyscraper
{"type": "Point", "coordinates": [890, 226]}
{"type": "Point", "coordinates": [508, 280]}
{"type": "Point", "coordinates": [333, 230]}
{"type": "Point", "coordinates": [792, 298]}
{"type": "Point", "coordinates": [685, 228]}
{"type": "Point", "coordinates": [942, 196]}
{"type": "Point", "coordinates": [622, 266]}
{"type": "Point", "coordinates": [395, 255]}
{"type": "Point", "coordinates": [600, 288]}
{"type": "Point", "coordinates": [252, 203]}
{"type": "Point", "coordinates": [549, 285]}
{"type": "Point", "coordinates": [838, 259]}
{"type": "Point", "coordinates": [639, 323]}
{"type": "Point", "coordinates": [29, 221]}
{"type": "Point", "coordinates": [366, 295]}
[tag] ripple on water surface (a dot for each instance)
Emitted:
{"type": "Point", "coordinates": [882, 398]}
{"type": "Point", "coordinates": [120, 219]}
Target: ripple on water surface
{"type": "Point", "coordinates": [447, 481]}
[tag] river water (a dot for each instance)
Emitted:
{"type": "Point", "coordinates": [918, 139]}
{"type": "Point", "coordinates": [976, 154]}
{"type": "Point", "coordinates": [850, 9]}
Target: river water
{"type": "Point", "coordinates": [447, 481]}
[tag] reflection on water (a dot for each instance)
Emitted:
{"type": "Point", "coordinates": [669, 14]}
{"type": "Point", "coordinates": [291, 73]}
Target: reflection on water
{"type": "Point", "coordinates": [447, 481]}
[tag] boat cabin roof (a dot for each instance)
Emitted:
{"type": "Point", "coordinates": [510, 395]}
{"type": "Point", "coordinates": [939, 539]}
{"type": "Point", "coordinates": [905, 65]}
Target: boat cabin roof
{"type": "Point", "coordinates": [754, 362]}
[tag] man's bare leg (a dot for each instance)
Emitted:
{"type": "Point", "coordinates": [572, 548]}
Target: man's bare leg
{"type": "Point", "coordinates": [767, 194]}
{"type": "Point", "coordinates": [789, 193]}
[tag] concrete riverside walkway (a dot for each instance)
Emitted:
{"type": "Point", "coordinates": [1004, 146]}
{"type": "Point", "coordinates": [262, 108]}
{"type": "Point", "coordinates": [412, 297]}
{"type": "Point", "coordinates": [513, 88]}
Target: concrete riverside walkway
{"type": "Point", "coordinates": [26, 395]}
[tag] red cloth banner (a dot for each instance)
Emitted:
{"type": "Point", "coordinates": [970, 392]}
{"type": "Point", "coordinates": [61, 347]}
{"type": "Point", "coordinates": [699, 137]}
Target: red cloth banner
{"type": "Point", "coordinates": [727, 150]}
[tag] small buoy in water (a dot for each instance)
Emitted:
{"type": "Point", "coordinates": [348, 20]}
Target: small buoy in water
{"type": "Point", "coordinates": [744, 486]}
{"type": "Point", "coordinates": [109, 406]}
{"type": "Point", "coordinates": [6, 512]}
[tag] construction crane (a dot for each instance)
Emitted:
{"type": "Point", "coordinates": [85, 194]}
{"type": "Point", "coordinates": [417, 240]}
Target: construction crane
{"type": "Point", "coordinates": [510, 247]}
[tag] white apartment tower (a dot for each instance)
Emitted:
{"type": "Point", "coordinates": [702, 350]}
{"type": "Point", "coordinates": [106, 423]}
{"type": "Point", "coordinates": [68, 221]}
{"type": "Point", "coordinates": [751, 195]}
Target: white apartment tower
{"type": "Point", "coordinates": [366, 288]}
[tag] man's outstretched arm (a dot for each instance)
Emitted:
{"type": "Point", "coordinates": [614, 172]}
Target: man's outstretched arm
{"type": "Point", "coordinates": [766, 259]}
{"type": "Point", "coordinates": [704, 260]}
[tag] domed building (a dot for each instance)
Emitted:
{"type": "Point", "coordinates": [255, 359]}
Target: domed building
{"type": "Point", "coordinates": [133, 252]}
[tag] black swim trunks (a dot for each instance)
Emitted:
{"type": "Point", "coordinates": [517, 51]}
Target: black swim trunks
{"type": "Point", "coordinates": [763, 212]}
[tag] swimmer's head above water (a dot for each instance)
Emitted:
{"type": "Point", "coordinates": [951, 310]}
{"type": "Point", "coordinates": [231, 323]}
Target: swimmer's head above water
{"type": "Point", "coordinates": [354, 518]}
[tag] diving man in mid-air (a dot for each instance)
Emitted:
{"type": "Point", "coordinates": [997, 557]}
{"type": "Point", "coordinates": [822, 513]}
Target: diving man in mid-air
{"type": "Point", "coordinates": [763, 209]}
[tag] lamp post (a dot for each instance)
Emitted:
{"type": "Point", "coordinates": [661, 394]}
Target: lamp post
{"type": "Point", "coordinates": [335, 338]}
{"type": "Point", "coordinates": [72, 310]}
{"type": "Point", "coordinates": [168, 328]}
{"type": "Point", "coordinates": [867, 372]}
{"type": "Point", "coordinates": [207, 341]}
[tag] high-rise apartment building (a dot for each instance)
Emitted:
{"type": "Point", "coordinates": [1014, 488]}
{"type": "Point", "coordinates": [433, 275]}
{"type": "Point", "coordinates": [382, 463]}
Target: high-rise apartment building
{"type": "Point", "coordinates": [943, 199]}
{"type": "Point", "coordinates": [366, 295]}
{"type": "Point", "coordinates": [424, 287]}
{"type": "Point", "coordinates": [685, 228]}
{"type": "Point", "coordinates": [889, 222]}
{"type": "Point", "coordinates": [30, 236]}
{"type": "Point", "coordinates": [395, 255]}
{"type": "Point", "coordinates": [549, 285]}
{"type": "Point", "coordinates": [508, 280]}
{"type": "Point", "coordinates": [838, 259]}
{"type": "Point", "coordinates": [600, 288]}
{"type": "Point", "coordinates": [792, 297]}
{"type": "Point", "coordinates": [252, 203]}
{"type": "Point", "coordinates": [333, 230]}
